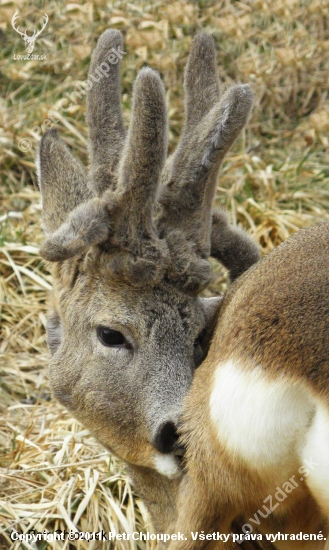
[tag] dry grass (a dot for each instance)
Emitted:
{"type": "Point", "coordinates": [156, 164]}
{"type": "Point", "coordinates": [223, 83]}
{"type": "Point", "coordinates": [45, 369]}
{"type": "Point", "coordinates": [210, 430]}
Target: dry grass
{"type": "Point", "coordinates": [53, 475]}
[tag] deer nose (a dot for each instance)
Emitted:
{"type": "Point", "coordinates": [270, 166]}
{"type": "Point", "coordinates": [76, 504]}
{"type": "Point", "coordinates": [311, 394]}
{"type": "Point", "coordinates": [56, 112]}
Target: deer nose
{"type": "Point", "coordinates": [166, 437]}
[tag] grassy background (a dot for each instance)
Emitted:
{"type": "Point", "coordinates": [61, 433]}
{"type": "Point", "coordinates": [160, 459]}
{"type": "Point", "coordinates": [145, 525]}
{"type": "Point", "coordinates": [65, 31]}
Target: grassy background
{"type": "Point", "coordinates": [53, 475]}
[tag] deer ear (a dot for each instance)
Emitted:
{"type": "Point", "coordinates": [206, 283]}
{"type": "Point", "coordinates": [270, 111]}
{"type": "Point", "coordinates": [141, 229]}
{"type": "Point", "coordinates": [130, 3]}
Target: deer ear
{"type": "Point", "coordinates": [62, 180]}
{"type": "Point", "coordinates": [232, 246]}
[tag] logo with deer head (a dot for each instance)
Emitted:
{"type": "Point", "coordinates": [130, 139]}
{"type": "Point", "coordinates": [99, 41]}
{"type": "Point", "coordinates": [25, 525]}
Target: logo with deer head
{"type": "Point", "coordinates": [29, 40]}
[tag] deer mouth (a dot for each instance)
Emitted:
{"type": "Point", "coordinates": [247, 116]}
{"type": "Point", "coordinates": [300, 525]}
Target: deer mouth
{"type": "Point", "coordinates": [167, 465]}
{"type": "Point", "coordinates": [171, 465]}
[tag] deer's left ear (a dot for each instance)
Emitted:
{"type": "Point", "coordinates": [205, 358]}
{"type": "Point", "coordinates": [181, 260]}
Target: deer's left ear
{"type": "Point", "coordinates": [62, 180]}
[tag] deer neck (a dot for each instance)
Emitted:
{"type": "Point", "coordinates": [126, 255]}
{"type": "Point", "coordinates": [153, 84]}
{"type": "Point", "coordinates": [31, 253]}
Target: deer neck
{"type": "Point", "coordinates": [159, 494]}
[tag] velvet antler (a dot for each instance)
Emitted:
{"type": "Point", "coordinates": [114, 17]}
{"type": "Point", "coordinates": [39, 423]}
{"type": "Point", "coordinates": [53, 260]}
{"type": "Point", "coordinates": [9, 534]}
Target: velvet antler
{"type": "Point", "coordinates": [113, 211]}
{"type": "Point", "coordinates": [213, 122]}
{"type": "Point", "coordinates": [120, 221]}
{"type": "Point", "coordinates": [104, 116]}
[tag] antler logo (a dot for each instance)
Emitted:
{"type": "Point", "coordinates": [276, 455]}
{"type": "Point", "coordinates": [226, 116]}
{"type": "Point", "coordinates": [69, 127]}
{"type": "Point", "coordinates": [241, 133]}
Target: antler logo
{"type": "Point", "coordinates": [29, 40]}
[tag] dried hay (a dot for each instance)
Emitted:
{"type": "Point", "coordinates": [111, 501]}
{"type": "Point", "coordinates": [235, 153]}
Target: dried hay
{"type": "Point", "coordinates": [53, 475]}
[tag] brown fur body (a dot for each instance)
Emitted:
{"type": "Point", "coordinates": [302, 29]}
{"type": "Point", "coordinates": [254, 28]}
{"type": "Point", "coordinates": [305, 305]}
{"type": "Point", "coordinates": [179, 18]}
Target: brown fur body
{"type": "Point", "coordinates": [279, 347]}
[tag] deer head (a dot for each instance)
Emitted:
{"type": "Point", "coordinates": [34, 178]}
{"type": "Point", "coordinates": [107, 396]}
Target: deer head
{"type": "Point", "coordinates": [29, 40]}
{"type": "Point", "coordinates": [129, 243]}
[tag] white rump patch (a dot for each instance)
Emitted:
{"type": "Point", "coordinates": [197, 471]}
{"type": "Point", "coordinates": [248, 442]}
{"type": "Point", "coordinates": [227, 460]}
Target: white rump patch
{"type": "Point", "coordinates": [167, 465]}
{"type": "Point", "coordinates": [316, 459]}
{"type": "Point", "coordinates": [258, 420]}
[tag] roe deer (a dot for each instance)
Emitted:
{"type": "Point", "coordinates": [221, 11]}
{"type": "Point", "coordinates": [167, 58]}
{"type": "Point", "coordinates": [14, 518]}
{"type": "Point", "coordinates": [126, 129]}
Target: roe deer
{"type": "Point", "coordinates": [256, 420]}
{"type": "Point", "coordinates": [129, 243]}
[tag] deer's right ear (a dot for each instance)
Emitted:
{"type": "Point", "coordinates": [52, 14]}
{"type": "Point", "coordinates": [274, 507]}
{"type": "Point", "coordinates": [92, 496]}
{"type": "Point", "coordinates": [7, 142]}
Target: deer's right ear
{"type": "Point", "coordinates": [62, 180]}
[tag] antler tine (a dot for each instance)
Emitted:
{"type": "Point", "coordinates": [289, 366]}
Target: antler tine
{"type": "Point", "coordinates": [201, 82]}
{"type": "Point", "coordinates": [139, 177]}
{"type": "Point", "coordinates": [104, 116]}
{"type": "Point", "coordinates": [147, 143]}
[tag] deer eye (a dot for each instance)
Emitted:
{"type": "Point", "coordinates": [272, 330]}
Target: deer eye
{"type": "Point", "coordinates": [111, 338]}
